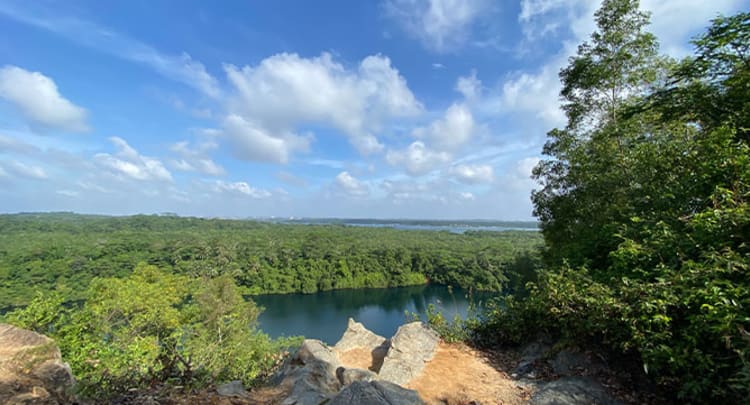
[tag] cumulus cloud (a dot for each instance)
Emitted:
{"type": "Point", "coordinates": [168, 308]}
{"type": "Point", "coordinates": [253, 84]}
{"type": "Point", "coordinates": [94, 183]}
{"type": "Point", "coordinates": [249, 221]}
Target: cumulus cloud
{"type": "Point", "coordinates": [469, 86]}
{"type": "Point", "coordinates": [441, 25]}
{"type": "Point", "coordinates": [39, 100]}
{"type": "Point", "coordinates": [437, 142]}
{"type": "Point", "coordinates": [417, 159]}
{"type": "Point", "coordinates": [472, 174]}
{"type": "Point", "coordinates": [240, 187]}
{"type": "Point", "coordinates": [351, 185]}
{"type": "Point", "coordinates": [251, 141]}
{"type": "Point", "coordinates": [195, 159]}
{"type": "Point", "coordinates": [451, 131]}
{"type": "Point", "coordinates": [127, 163]}
{"type": "Point", "coordinates": [674, 22]}
{"type": "Point", "coordinates": [286, 91]}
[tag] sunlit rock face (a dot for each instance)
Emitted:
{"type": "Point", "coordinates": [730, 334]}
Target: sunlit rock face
{"type": "Point", "coordinates": [31, 369]}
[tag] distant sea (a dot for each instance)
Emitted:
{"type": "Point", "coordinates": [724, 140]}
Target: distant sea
{"type": "Point", "coordinates": [454, 226]}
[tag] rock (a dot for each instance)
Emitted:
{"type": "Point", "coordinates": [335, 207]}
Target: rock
{"type": "Point", "coordinates": [375, 393]}
{"type": "Point", "coordinates": [232, 389]}
{"type": "Point", "coordinates": [311, 374]}
{"type": "Point", "coordinates": [573, 391]}
{"type": "Point", "coordinates": [347, 376]}
{"type": "Point", "coordinates": [412, 346]}
{"type": "Point", "coordinates": [312, 349]}
{"type": "Point", "coordinates": [357, 336]}
{"type": "Point", "coordinates": [571, 362]}
{"type": "Point", "coordinates": [31, 369]}
{"type": "Point", "coordinates": [531, 355]}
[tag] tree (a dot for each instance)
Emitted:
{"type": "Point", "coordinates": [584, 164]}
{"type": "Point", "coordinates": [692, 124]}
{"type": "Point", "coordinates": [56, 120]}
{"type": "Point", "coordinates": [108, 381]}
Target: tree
{"type": "Point", "coordinates": [585, 180]}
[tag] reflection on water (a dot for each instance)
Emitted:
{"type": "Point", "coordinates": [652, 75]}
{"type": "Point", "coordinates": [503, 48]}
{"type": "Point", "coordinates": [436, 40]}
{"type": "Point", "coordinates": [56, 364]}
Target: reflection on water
{"type": "Point", "coordinates": [324, 315]}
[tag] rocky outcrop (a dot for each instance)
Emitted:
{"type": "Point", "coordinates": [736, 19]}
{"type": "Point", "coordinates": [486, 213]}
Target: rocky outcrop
{"type": "Point", "coordinates": [31, 369]}
{"type": "Point", "coordinates": [357, 337]}
{"type": "Point", "coordinates": [375, 393]}
{"type": "Point", "coordinates": [412, 346]}
{"type": "Point", "coordinates": [315, 374]}
{"type": "Point", "coordinates": [574, 371]}
{"type": "Point", "coordinates": [573, 391]}
{"type": "Point", "coordinates": [310, 374]}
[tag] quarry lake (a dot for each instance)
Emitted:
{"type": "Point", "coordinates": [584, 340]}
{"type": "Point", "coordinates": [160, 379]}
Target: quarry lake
{"type": "Point", "coordinates": [324, 315]}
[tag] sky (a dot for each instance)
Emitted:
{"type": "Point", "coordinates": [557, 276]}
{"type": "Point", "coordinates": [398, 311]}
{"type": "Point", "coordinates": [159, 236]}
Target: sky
{"type": "Point", "coordinates": [434, 109]}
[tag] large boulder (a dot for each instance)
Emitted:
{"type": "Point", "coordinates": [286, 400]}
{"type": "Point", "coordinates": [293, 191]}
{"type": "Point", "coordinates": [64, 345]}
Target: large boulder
{"type": "Point", "coordinates": [573, 391]}
{"type": "Point", "coordinates": [412, 346]}
{"type": "Point", "coordinates": [358, 337]}
{"type": "Point", "coordinates": [31, 369]}
{"type": "Point", "coordinates": [310, 374]}
{"type": "Point", "coordinates": [375, 393]}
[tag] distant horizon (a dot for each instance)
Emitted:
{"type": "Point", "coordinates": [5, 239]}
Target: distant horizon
{"type": "Point", "coordinates": [278, 217]}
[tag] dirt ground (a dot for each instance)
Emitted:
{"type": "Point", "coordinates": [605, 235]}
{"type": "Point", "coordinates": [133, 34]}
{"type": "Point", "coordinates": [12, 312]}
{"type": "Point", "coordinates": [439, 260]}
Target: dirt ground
{"type": "Point", "coordinates": [456, 375]}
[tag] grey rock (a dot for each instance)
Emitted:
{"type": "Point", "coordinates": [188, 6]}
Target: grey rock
{"type": "Point", "coordinates": [311, 374]}
{"type": "Point", "coordinates": [376, 393]}
{"type": "Point", "coordinates": [357, 336]}
{"type": "Point", "coordinates": [232, 389]}
{"type": "Point", "coordinates": [412, 346]}
{"type": "Point", "coordinates": [531, 355]}
{"type": "Point", "coordinates": [570, 362]}
{"type": "Point", "coordinates": [347, 376]}
{"type": "Point", "coordinates": [312, 349]}
{"type": "Point", "coordinates": [31, 368]}
{"type": "Point", "coordinates": [573, 391]}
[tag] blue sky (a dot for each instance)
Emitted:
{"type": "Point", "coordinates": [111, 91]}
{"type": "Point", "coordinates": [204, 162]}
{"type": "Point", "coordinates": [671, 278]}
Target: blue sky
{"type": "Point", "coordinates": [392, 108]}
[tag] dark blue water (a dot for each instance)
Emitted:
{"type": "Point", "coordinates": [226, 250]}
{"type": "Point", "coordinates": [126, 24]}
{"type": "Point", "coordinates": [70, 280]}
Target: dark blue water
{"type": "Point", "coordinates": [324, 315]}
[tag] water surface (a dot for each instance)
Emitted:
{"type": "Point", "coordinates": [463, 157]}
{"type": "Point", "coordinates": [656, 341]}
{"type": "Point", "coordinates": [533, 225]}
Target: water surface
{"type": "Point", "coordinates": [324, 315]}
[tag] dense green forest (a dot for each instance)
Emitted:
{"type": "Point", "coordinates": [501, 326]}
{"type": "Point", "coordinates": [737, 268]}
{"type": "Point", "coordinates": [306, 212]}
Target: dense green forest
{"type": "Point", "coordinates": [644, 208]}
{"type": "Point", "coordinates": [65, 252]}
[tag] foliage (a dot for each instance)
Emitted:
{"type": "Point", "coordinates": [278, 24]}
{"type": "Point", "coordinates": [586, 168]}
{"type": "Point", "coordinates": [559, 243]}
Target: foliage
{"type": "Point", "coordinates": [457, 329]}
{"type": "Point", "coordinates": [155, 326]}
{"type": "Point", "coordinates": [644, 209]}
{"type": "Point", "coordinates": [66, 251]}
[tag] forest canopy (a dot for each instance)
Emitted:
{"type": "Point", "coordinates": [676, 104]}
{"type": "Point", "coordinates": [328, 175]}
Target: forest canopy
{"type": "Point", "coordinates": [65, 252]}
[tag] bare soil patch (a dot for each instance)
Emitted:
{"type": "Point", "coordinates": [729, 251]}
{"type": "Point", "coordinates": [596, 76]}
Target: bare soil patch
{"type": "Point", "coordinates": [459, 375]}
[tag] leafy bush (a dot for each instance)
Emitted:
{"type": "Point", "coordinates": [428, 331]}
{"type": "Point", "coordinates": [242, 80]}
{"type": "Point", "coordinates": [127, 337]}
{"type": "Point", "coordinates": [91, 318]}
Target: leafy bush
{"type": "Point", "coordinates": [154, 327]}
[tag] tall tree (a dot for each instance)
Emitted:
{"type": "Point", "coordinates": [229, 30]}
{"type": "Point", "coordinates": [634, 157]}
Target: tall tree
{"type": "Point", "coordinates": [584, 181]}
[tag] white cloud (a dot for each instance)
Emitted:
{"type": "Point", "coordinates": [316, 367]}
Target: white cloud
{"type": "Point", "coordinates": [467, 196]}
{"type": "Point", "coordinates": [181, 68]}
{"type": "Point", "coordinates": [195, 159]}
{"type": "Point", "coordinates": [536, 93]}
{"type": "Point", "coordinates": [469, 86]}
{"type": "Point", "coordinates": [253, 142]}
{"type": "Point", "coordinates": [128, 163]}
{"type": "Point", "coordinates": [441, 25]}
{"type": "Point", "coordinates": [417, 159]}
{"type": "Point", "coordinates": [68, 193]}
{"type": "Point", "coordinates": [451, 131]}
{"type": "Point", "coordinates": [286, 92]}
{"type": "Point", "coordinates": [472, 174]}
{"type": "Point", "coordinates": [38, 98]}
{"type": "Point", "coordinates": [24, 170]}
{"type": "Point", "coordinates": [351, 186]}
{"type": "Point", "coordinates": [241, 187]}
{"type": "Point", "coordinates": [675, 21]}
